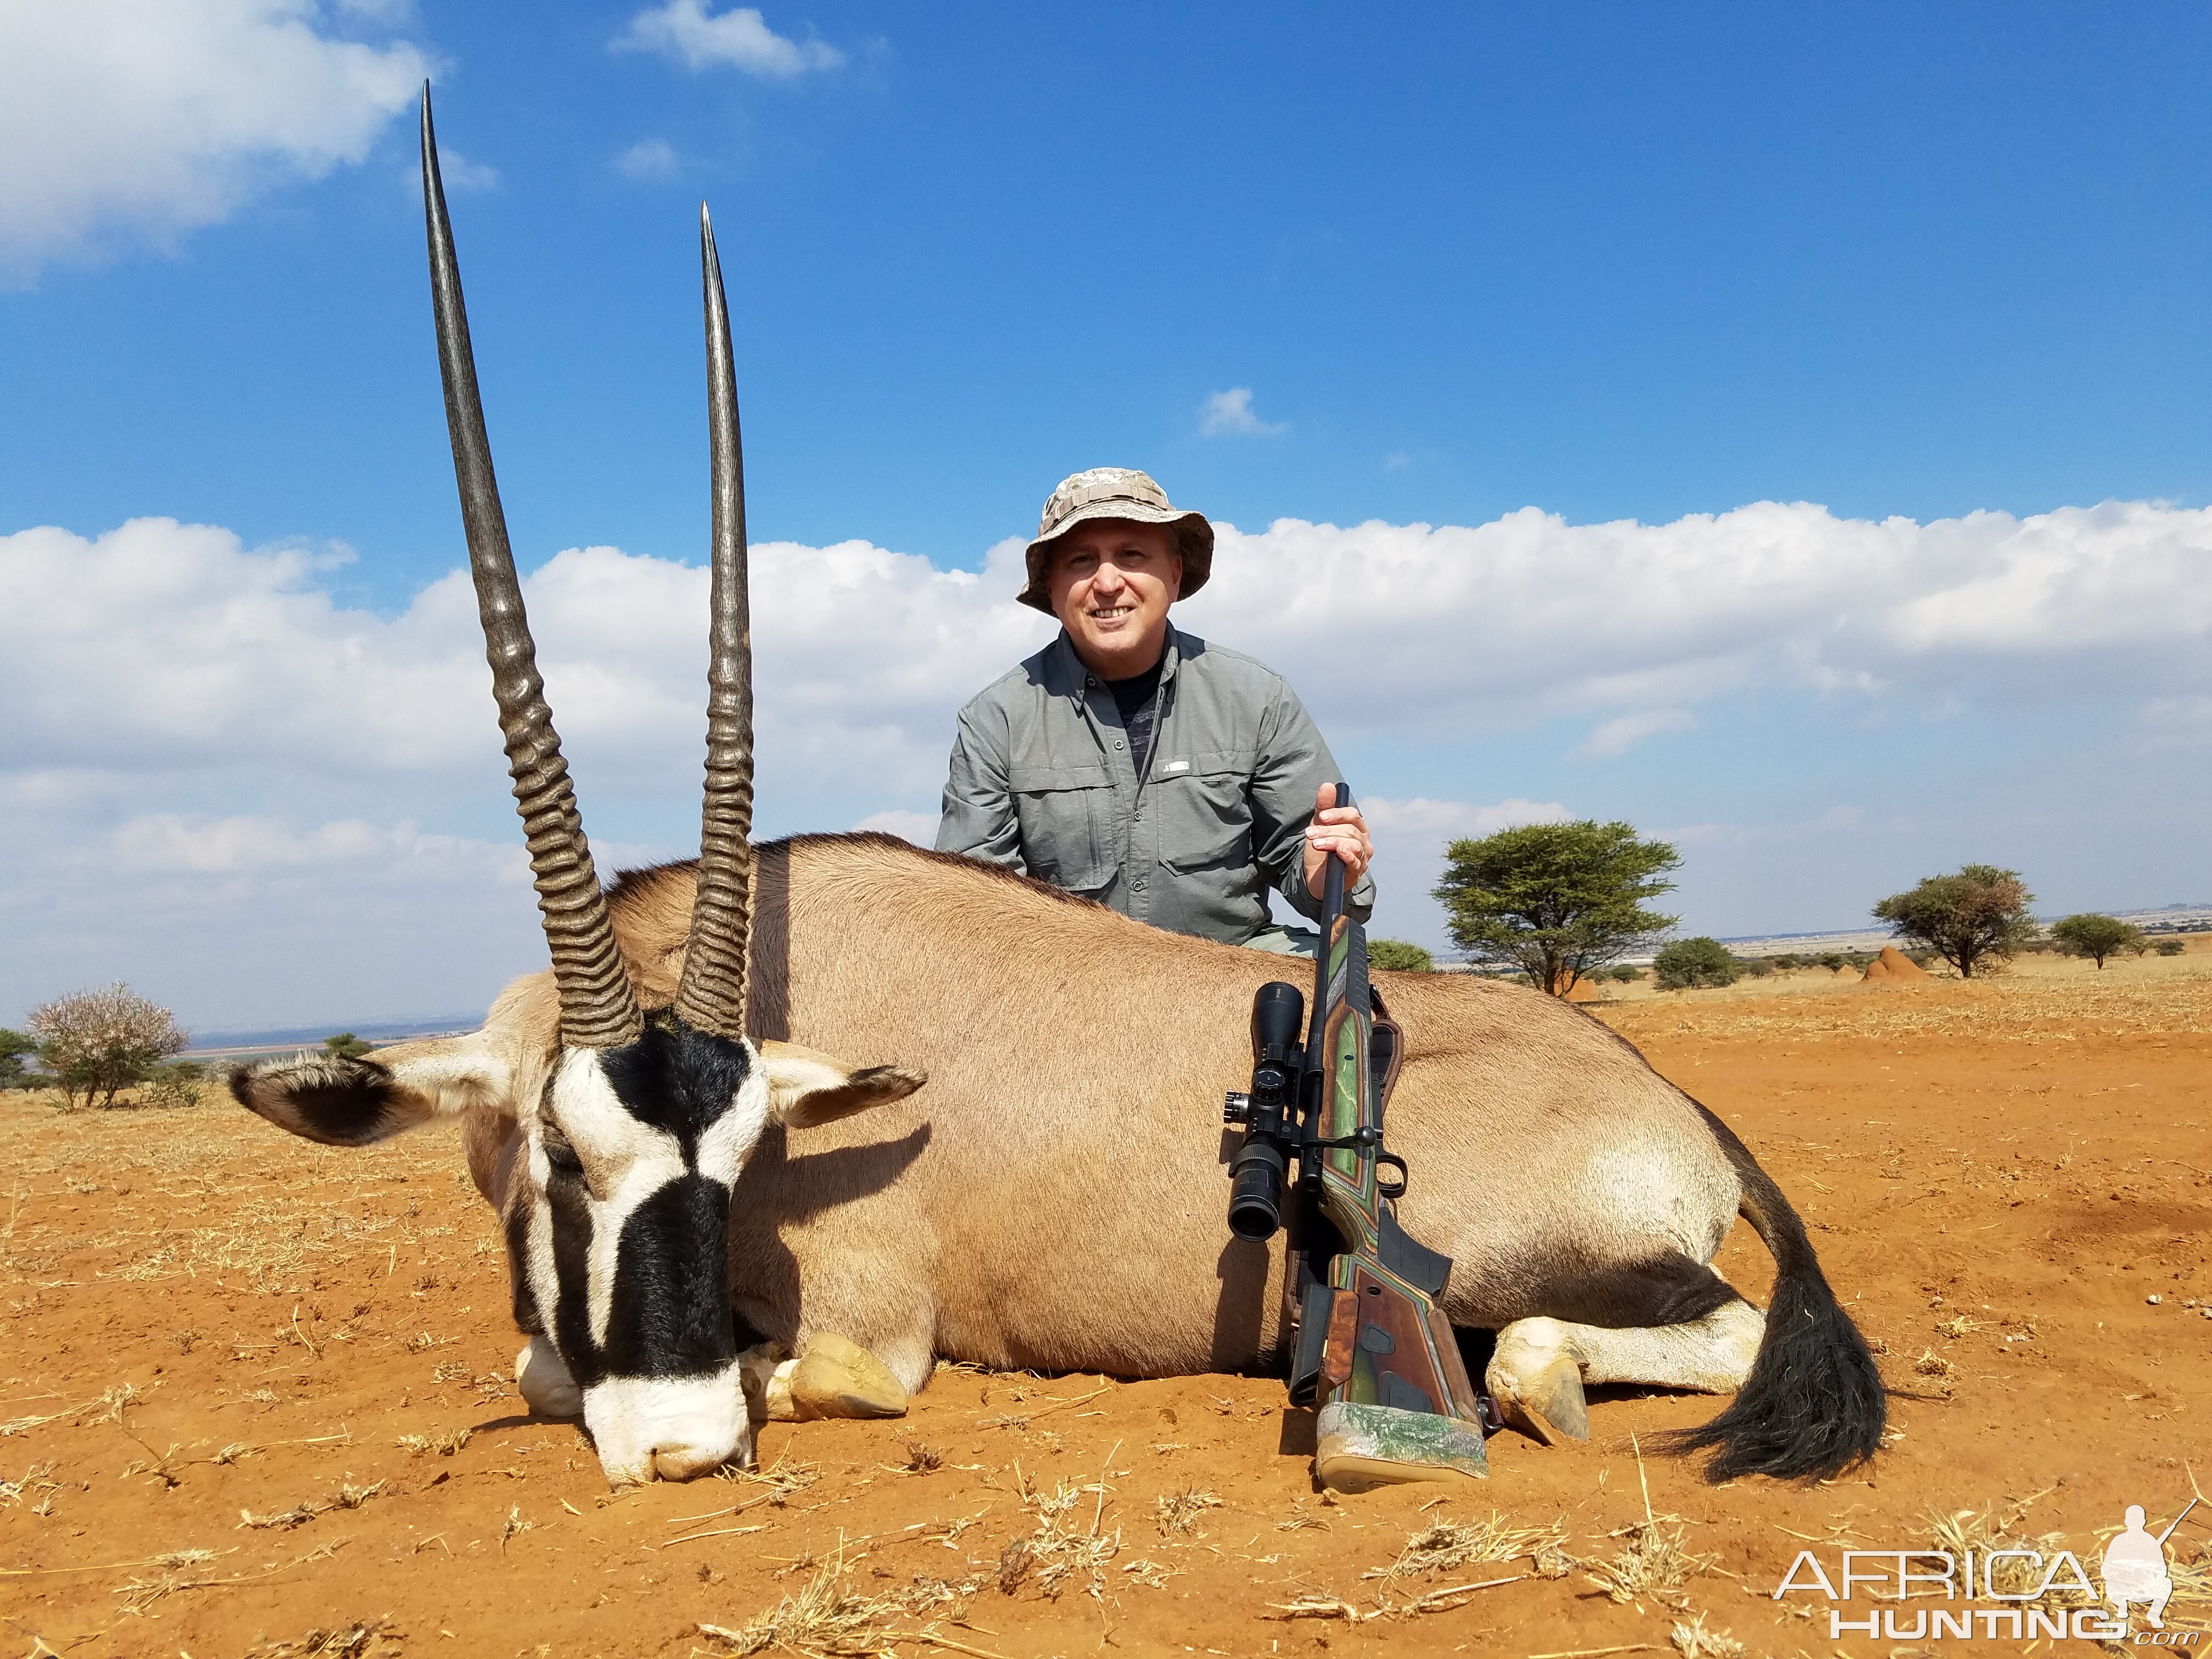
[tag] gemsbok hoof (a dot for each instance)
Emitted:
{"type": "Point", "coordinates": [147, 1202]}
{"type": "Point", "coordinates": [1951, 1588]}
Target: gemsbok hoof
{"type": "Point", "coordinates": [1536, 1377]}
{"type": "Point", "coordinates": [834, 1377]}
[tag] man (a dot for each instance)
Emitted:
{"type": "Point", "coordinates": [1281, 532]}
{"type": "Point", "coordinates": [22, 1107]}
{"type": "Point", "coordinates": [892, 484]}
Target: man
{"type": "Point", "coordinates": [1139, 765]}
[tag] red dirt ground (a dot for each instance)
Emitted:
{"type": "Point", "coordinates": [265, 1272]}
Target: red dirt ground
{"type": "Point", "coordinates": [217, 1338]}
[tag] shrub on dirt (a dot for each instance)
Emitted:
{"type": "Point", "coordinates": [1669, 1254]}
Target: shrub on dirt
{"type": "Point", "coordinates": [176, 1083]}
{"type": "Point", "coordinates": [1833, 961]}
{"type": "Point", "coordinates": [1695, 964]}
{"type": "Point", "coordinates": [14, 1046]}
{"type": "Point", "coordinates": [1557, 901]}
{"type": "Point", "coordinates": [1973, 919]}
{"type": "Point", "coordinates": [346, 1046]}
{"type": "Point", "coordinates": [1755, 967]}
{"type": "Point", "coordinates": [2098, 937]}
{"type": "Point", "coordinates": [97, 1043]}
{"type": "Point", "coordinates": [2169, 947]}
{"type": "Point", "coordinates": [1398, 953]}
{"type": "Point", "coordinates": [1624, 974]}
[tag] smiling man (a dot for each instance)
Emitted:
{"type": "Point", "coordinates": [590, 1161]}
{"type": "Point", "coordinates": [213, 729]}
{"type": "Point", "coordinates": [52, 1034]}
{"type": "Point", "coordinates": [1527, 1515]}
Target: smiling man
{"type": "Point", "coordinates": [1176, 782]}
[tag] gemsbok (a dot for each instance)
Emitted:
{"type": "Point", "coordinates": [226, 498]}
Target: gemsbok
{"type": "Point", "coordinates": [682, 1176]}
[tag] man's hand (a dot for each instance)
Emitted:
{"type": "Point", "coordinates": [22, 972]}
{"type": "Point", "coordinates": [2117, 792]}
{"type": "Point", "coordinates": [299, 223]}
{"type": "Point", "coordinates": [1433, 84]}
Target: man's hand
{"type": "Point", "coordinates": [1338, 829]}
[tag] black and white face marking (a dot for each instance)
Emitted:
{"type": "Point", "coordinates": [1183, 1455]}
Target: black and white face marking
{"type": "Point", "coordinates": [633, 1154]}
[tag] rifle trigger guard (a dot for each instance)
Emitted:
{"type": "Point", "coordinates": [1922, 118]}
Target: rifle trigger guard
{"type": "Point", "coordinates": [1404, 1175]}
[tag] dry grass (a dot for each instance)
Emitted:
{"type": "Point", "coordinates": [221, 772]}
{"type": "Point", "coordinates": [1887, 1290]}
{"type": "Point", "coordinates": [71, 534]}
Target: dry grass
{"type": "Point", "coordinates": [2031, 1007]}
{"type": "Point", "coordinates": [829, 1619]}
{"type": "Point", "coordinates": [435, 1445]}
{"type": "Point", "coordinates": [348, 1497]}
{"type": "Point", "coordinates": [356, 1641]}
{"type": "Point", "coordinates": [2000, 1527]}
{"type": "Point", "coordinates": [1654, 1562]}
{"type": "Point", "coordinates": [1179, 1511]}
{"type": "Point", "coordinates": [1446, 1545]}
{"type": "Point", "coordinates": [1693, 1641]}
{"type": "Point", "coordinates": [1064, 1549]}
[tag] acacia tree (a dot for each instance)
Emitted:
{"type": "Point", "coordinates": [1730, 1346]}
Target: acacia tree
{"type": "Point", "coordinates": [97, 1043]}
{"type": "Point", "coordinates": [2098, 937]}
{"type": "Point", "coordinates": [14, 1045]}
{"type": "Point", "coordinates": [1557, 901]}
{"type": "Point", "coordinates": [1973, 918]}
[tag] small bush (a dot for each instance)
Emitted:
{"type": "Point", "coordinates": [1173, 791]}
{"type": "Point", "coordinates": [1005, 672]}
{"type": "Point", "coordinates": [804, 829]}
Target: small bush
{"type": "Point", "coordinates": [1785, 960]}
{"type": "Point", "coordinates": [1695, 963]}
{"type": "Point", "coordinates": [1624, 974]}
{"type": "Point", "coordinates": [2169, 947]}
{"type": "Point", "coordinates": [178, 1083]}
{"type": "Point", "coordinates": [1757, 967]}
{"type": "Point", "coordinates": [1833, 960]}
{"type": "Point", "coordinates": [1397, 953]}
{"type": "Point", "coordinates": [346, 1046]}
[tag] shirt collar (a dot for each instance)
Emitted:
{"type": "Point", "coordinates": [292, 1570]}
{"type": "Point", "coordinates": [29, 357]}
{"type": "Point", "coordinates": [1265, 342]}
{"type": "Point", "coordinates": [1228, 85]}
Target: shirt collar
{"type": "Point", "coordinates": [1068, 676]}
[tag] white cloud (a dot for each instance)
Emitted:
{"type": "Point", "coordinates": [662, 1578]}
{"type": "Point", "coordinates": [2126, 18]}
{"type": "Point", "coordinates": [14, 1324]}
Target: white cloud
{"type": "Point", "coordinates": [740, 39]}
{"type": "Point", "coordinates": [460, 174]}
{"type": "Point", "coordinates": [124, 122]}
{"type": "Point", "coordinates": [1229, 413]}
{"type": "Point", "coordinates": [648, 161]}
{"type": "Point", "coordinates": [1623, 732]}
{"type": "Point", "coordinates": [1529, 617]}
{"type": "Point", "coordinates": [202, 746]}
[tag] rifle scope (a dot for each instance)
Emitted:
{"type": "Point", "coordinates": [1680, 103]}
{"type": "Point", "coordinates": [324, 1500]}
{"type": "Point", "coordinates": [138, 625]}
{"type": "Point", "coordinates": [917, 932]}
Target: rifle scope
{"type": "Point", "coordinates": [1255, 1174]}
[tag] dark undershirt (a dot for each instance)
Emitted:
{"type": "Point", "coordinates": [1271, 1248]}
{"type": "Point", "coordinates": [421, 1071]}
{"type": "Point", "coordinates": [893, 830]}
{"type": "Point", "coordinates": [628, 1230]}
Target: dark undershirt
{"type": "Point", "coordinates": [1138, 699]}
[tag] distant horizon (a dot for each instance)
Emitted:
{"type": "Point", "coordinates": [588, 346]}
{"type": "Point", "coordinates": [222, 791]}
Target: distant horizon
{"type": "Point", "coordinates": [400, 1027]}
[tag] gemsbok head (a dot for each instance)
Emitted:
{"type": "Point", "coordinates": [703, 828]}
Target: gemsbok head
{"type": "Point", "coordinates": [618, 1155]}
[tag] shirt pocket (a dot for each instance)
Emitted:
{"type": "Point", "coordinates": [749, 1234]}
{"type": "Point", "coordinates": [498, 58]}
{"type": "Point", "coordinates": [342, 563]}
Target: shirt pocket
{"type": "Point", "coordinates": [1066, 817]}
{"type": "Point", "coordinates": [1204, 813]}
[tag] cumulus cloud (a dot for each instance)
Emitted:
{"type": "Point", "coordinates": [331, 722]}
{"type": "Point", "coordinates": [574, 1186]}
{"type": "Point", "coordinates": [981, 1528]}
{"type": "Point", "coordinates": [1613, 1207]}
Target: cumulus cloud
{"type": "Point", "coordinates": [197, 732]}
{"type": "Point", "coordinates": [1230, 414]}
{"type": "Point", "coordinates": [1529, 616]}
{"type": "Point", "coordinates": [127, 122]}
{"type": "Point", "coordinates": [740, 39]}
{"type": "Point", "coordinates": [649, 160]}
{"type": "Point", "coordinates": [1624, 731]}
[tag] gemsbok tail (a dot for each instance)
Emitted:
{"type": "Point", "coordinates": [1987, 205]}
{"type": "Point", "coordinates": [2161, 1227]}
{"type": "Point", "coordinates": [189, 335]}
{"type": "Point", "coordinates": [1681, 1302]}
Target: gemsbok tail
{"type": "Point", "coordinates": [1813, 1404]}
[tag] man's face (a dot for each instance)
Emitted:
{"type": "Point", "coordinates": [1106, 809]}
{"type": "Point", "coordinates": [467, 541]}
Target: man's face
{"type": "Point", "coordinates": [1112, 580]}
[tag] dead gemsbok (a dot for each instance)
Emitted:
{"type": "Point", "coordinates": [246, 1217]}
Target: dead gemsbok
{"type": "Point", "coordinates": [673, 1190]}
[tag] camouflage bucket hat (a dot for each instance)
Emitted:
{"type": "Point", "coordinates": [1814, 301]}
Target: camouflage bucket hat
{"type": "Point", "coordinates": [1116, 492]}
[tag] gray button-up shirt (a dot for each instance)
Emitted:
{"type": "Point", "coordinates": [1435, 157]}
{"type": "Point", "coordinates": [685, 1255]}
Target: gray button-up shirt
{"type": "Point", "coordinates": [1042, 781]}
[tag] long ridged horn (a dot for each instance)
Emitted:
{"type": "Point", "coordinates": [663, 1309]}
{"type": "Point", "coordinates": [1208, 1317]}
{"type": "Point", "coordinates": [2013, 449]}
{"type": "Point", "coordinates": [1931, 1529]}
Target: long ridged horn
{"type": "Point", "coordinates": [711, 997]}
{"type": "Point", "coordinates": [598, 1010]}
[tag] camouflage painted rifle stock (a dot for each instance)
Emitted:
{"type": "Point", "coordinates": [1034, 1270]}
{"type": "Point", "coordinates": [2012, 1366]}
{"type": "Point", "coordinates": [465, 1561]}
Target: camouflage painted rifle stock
{"type": "Point", "coordinates": [1373, 1351]}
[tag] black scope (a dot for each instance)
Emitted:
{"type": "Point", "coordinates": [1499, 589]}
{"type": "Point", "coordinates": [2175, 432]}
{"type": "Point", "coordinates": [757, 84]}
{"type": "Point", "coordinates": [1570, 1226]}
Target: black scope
{"type": "Point", "coordinates": [1255, 1174]}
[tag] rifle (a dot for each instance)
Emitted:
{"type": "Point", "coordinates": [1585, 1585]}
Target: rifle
{"type": "Point", "coordinates": [1372, 1350]}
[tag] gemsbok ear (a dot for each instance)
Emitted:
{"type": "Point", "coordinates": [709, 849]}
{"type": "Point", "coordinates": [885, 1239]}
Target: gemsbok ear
{"type": "Point", "coordinates": [805, 1088]}
{"type": "Point", "coordinates": [342, 1101]}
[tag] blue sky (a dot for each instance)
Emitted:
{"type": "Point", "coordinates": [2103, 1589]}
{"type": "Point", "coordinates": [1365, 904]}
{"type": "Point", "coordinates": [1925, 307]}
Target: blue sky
{"type": "Point", "coordinates": [1616, 263]}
